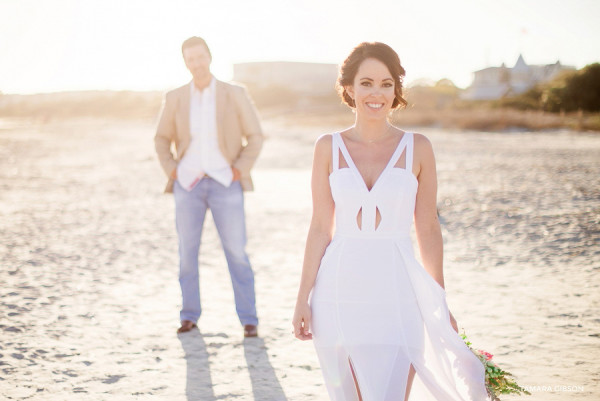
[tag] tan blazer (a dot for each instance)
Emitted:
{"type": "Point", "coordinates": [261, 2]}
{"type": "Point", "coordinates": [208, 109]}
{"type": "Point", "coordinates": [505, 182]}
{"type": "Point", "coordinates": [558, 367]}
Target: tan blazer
{"type": "Point", "coordinates": [239, 133]}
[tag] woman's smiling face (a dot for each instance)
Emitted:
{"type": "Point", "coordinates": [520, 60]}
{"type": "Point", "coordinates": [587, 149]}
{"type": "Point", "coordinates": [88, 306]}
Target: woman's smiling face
{"type": "Point", "coordinates": [373, 89]}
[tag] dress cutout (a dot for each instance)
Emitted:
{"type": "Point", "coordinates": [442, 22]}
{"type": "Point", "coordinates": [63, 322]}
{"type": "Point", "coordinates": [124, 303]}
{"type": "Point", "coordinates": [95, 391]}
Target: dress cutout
{"type": "Point", "coordinates": [374, 307]}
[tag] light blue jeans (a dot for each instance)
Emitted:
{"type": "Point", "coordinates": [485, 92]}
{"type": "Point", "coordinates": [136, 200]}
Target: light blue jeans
{"type": "Point", "coordinates": [227, 207]}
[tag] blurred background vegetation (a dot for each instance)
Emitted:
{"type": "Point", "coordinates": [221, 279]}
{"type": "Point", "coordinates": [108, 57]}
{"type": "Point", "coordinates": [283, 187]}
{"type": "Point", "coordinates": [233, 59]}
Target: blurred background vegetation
{"type": "Point", "coordinates": [570, 91]}
{"type": "Point", "coordinates": [570, 101]}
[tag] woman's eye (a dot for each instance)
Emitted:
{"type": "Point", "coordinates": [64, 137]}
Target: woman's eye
{"type": "Point", "coordinates": [365, 83]}
{"type": "Point", "coordinates": [387, 85]}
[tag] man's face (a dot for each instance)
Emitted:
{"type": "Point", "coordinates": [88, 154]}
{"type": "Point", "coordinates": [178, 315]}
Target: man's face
{"type": "Point", "coordinates": [197, 60]}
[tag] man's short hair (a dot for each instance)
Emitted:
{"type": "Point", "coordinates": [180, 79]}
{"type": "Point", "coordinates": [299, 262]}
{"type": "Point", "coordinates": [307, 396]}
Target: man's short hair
{"type": "Point", "coordinates": [194, 41]}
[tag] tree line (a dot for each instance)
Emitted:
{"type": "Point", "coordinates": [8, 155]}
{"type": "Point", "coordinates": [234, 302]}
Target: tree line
{"type": "Point", "coordinates": [569, 91]}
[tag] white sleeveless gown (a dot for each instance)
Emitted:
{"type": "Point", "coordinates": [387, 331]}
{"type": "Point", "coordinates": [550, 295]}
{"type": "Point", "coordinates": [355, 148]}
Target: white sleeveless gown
{"type": "Point", "coordinates": [373, 305]}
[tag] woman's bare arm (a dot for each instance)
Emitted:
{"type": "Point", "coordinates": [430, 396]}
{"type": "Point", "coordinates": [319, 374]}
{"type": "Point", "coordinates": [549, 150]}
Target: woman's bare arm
{"type": "Point", "coordinates": [319, 234]}
{"type": "Point", "coordinates": [427, 225]}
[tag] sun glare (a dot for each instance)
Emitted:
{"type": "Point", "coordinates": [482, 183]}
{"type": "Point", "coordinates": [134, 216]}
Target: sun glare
{"type": "Point", "coordinates": [72, 45]}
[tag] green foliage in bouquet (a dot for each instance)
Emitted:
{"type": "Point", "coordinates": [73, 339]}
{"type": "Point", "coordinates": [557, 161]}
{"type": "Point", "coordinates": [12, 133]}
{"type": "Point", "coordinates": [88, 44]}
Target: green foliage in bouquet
{"type": "Point", "coordinates": [497, 380]}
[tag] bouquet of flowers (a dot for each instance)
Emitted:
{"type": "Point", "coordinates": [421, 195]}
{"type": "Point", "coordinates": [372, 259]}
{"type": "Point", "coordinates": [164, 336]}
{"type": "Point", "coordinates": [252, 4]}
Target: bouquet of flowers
{"type": "Point", "coordinates": [497, 380]}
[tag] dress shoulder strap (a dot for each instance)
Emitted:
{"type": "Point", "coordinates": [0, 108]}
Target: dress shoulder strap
{"type": "Point", "coordinates": [409, 151]}
{"type": "Point", "coordinates": [335, 151]}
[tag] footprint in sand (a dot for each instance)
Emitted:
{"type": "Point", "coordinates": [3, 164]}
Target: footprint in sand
{"type": "Point", "coordinates": [112, 379]}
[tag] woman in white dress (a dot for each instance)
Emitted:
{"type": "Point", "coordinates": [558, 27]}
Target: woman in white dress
{"type": "Point", "coordinates": [379, 320]}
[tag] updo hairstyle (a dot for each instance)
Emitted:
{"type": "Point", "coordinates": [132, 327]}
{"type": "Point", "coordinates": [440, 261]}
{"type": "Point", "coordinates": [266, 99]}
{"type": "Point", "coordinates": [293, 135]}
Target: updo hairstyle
{"type": "Point", "coordinates": [379, 51]}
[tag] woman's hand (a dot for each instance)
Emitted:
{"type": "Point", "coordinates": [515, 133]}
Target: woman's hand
{"type": "Point", "coordinates": [301, 321]}
{"type": "Point", "coordinates": [453, 322]}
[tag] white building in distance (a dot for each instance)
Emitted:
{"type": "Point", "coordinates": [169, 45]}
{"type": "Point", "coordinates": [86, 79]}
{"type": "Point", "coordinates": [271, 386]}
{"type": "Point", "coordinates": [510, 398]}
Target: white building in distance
{"type": "Point", "coordinates": [305, 78]}
{"type": "Point", "coordinates": [497, 82]}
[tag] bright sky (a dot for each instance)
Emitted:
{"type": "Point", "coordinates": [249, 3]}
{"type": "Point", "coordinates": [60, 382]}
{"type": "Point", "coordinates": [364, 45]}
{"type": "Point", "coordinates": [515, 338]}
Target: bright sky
{"type": "Point", "coordinates": [56, 45]}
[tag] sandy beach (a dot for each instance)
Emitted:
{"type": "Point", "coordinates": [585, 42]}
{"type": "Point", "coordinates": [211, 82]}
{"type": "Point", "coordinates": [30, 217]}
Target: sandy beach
{"type": "Point", "coordinates": [89, 298]}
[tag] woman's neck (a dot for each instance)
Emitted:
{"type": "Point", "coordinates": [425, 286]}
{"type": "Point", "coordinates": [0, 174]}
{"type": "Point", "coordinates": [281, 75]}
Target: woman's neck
{"type": "Point", "coordinates": [371, 131]}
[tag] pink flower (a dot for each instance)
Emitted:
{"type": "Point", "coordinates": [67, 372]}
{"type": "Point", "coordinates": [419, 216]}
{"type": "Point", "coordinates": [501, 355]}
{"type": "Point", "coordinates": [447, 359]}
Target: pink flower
{"type": "Point", "coordinates": [487, 355]}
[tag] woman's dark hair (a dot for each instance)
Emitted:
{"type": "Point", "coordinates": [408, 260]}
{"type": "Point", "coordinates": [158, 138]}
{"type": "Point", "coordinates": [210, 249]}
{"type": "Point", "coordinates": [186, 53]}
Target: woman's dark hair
{"type": "Point", "coordinates": [360, 53]}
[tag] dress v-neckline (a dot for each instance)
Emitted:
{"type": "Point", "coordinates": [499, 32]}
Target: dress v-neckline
{"type": "Point", "coordinates": [393, 159]}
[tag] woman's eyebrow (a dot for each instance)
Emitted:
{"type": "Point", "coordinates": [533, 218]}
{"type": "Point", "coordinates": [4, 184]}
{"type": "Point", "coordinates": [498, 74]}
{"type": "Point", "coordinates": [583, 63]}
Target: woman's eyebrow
{"type": "Point", "coordinates": [371, 79]}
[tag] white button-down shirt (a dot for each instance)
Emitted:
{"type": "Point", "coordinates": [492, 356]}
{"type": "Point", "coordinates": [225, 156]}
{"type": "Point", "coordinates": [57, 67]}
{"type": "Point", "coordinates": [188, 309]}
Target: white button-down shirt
{"type": "Point", "coordinates": [203, 155]}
